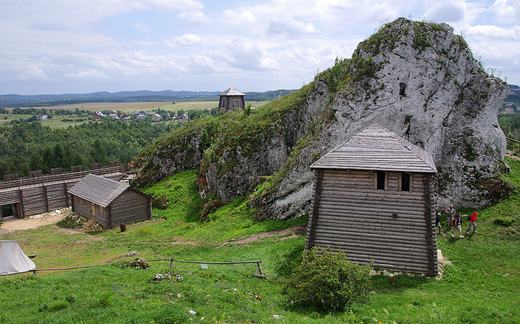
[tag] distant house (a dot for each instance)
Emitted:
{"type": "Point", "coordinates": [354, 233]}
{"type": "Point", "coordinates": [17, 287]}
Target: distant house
{"type": "Point", "coordinates": [371, 200]}
{"type": "Point", "coordinates": [141, 117]}
{"type": "Point", "coordinates": [156, 117]}
{"type": "Point", "coordinates": [109, 202]}
{"type": "Point", "coordinates": [136, 112]}
{"type": "Point", "coordinates": [126, 119]}
{"type": "Point", "coordinates": [112, 111]}
{"type": "Point", "coordinates": [98, 115]}
{"type": "Point", "coordinates": [43, 117]}
{"type": "Point", "coordinates": [231, 99]}
{"type": "Point", "coordinates": [115, 116]}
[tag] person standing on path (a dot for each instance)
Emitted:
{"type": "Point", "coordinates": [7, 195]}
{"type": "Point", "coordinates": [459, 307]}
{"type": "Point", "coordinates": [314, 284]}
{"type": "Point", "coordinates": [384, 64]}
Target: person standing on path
{"type": "Point", "coordinates": [472, 223]}
{"type": "Point", "coordinates": [457, 225]}
{"type": "Point", "coordinates": [438, 222]}
{"type": "Point", "coordinates": [451, 216]}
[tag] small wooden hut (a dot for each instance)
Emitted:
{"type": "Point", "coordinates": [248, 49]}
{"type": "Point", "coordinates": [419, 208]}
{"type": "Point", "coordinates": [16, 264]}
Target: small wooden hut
{"type": "Point", "coordinates": [232, 99]}
{"type": "Point", "coordinates": [371, 200]}
{"type": "Point", "coordinates": [109, 202]}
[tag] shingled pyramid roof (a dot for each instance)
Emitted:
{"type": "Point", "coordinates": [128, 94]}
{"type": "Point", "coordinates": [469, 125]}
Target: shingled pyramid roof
{"type": "Point", "coordinates": [98, 190]}
{"type": "Point", "coordinates": [232, 92]}
{"type": "Point", "coordinates": [377, 148]}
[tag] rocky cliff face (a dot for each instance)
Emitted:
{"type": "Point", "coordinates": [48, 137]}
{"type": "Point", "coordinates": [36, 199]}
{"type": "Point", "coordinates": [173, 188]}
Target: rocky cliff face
{"type": "Point", "coordinates": [416, 79]}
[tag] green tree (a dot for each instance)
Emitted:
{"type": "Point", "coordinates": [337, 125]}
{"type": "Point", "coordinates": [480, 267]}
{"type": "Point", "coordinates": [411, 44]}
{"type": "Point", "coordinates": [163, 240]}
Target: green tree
{"type": "Point", "coordinates": [47, 160]}
{"type": "Point", "coordinates": [36, 162]}
{"type": "Point", "coordinates": [98, 153]}
{"type": "Point", "coordinates": [58, 155]}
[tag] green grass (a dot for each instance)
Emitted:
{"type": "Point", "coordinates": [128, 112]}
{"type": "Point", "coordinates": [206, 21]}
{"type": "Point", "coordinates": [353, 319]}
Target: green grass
{"type": "Point", "coordinates": [480, 286]}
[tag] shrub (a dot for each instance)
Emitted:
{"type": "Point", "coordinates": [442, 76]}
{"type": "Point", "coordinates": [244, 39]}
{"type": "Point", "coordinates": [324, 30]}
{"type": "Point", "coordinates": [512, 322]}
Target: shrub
{"type": "Point", "coordinates": [329, 283]}
{"type": "Point", "coordinates": [160, 201]}
{"type": "Point", "coordinates": [504, 221]}
{"type": "Point", "coordinates": [289, 261]}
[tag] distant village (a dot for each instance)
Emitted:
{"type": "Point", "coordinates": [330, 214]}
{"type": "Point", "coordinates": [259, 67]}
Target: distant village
{"type": "Point", "coordinates": [512, 101]}
{"type": "Point", "coordinates": [137, 115]}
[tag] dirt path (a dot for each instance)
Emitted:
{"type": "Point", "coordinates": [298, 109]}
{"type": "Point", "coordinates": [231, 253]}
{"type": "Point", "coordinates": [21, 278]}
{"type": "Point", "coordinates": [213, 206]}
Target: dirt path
{"type": "Point", "coordinates": [512, 155]}
{"type": "Point", "coordinates": [10, 224]}
{"type": "Point", "coordinates": [295, 231]}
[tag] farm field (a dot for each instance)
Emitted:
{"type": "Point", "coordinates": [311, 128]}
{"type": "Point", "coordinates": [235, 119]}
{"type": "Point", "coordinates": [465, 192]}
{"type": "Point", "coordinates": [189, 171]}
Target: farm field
{"type": "Point", "coordinates": [129, 107]}
{"type": "Point", "coordinates": [480, 283]}
{"type": "Point", "coordinates": [124, 107]}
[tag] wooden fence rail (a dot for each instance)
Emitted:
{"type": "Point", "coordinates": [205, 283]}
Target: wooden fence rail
{"type": "Point", "coordinates": [258, 273]}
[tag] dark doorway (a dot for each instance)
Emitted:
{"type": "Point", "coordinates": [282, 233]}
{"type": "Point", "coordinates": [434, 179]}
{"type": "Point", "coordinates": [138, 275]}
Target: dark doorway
{"type": "Point", "coordinates": [7, 210]}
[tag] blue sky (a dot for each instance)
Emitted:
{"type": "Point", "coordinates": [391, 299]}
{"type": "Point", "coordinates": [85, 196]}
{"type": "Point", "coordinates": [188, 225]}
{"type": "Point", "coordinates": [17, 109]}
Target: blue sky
{"type": "Point", "coordinates": [63, 46]}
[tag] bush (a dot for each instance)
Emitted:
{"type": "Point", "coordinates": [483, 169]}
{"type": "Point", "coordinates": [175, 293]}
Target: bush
{"type": "Point", "coordinates": [329, 283]}
{"type": "Point", "coordinates": [504, 221]}
{"type": "Point", "coordinates": [289, 261]}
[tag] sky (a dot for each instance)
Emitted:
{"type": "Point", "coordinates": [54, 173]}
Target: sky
{"type": "Point", "coordinates": [64, 46]}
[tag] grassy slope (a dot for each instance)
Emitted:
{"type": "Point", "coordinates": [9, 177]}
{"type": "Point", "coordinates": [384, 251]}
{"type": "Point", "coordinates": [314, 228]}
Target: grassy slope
{"type": "Point", "coordinates": [480, 286]}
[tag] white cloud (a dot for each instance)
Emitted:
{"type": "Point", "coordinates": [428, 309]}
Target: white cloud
{"type": "Point", "coordinates": [447, 11]}
{"type": "Point", "coordinates": [35, 73]}
{"type": "Point", "coordinates": [236, 17]}
{"type": "Point", "coordinates": [141, 27]}
{"type": "Point", "coordinates": [92, 74]}
{"type": "Point", "coordinates": [194, 18]}
{"type": "Point", "coordinates": [507, 10]}
{"type": "Point", "coordinates": [289, 28]}
{"type": "Point", "coordinates": [186, 40]}
{"type": "Point", "coordinates": [268, 44]}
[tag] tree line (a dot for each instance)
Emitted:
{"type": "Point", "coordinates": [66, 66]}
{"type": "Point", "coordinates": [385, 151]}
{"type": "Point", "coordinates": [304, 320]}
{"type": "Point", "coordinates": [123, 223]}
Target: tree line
{"type": "Point", "coordinates": [29, 146]}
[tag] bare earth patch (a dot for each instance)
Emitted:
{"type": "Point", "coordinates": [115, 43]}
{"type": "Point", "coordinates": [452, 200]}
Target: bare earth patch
{"type": "Point", "coordinates": [32, 222]}
{"type": "Point", "coordinates": [512, 155]}
{"type": "Point", "coordinates": [180, 241]}
{"type": "Point", "coordinates": [296, 231]}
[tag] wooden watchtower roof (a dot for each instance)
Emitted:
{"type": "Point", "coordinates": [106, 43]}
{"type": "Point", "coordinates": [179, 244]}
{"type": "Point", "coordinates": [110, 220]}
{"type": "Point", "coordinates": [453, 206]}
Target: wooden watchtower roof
{"type": "Point", "coordinates": [232, 92]}
{"type": "Point", "coordinates": [377, 148]}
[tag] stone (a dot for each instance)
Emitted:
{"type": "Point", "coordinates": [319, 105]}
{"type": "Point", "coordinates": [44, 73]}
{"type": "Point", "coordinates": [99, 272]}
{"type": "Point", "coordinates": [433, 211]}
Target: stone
{"type": "Point", "coordinates": [419, 80]}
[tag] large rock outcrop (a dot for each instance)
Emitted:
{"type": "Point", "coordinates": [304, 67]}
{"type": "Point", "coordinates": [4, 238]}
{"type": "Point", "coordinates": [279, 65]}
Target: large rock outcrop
{"type": "Point", "coordinates": [418, 80]}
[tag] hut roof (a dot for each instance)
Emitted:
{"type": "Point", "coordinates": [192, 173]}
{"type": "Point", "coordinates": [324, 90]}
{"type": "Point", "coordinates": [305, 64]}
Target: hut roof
{"type": "Point", "coordinates": [377, 148]}
{"type": "Point", "coordinates": [98, 190]}
{"type": "Point", "coordinates": [232, 92]}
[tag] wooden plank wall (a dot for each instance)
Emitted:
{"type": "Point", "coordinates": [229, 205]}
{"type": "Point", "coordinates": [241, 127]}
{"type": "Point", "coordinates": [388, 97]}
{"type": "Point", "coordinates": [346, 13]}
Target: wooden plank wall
{"type": "Point", "coordinates": [47, 178]}
{"type": "Point", "coordinates": [101, 215]}
{"type": "Point", "coordinates": [391, 228]}
{"type": "Point", "coordinates": [130, 207]}
{"type": "Point", "coordinates": [82, 207]}
{"type": "Point", "coordinates": [9, 197]}
{"type": "Point", "coordinates": [39, 197]}
{"type": "Point", "coordinates": [34, 201]}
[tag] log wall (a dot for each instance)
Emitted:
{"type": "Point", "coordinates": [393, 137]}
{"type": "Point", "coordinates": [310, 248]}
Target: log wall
{"type": "Point", "coordinates": [388, 229]}
{"type": "Point", "coordinates": [130, 207]}
{"type": "Point", "coordinates": [49, 192]}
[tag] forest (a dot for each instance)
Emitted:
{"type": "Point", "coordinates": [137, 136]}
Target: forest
{"type": "Point", "coordinates": [29, 146]}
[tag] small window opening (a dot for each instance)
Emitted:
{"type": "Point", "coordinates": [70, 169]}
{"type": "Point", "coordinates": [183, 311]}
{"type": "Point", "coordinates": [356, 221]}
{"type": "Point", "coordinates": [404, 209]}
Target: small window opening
{"type": "Point", "coordinates": [405, 181]}
{"type": "Point", "coordinates": [381, 177]}
{"type": "Point", "coordinates": [402, 88]}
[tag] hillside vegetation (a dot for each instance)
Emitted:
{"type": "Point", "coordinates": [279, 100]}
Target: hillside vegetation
{"type": "Point", "coordinates": [416, 79]}
{"type": "Point", "coordinates": [480, 285]}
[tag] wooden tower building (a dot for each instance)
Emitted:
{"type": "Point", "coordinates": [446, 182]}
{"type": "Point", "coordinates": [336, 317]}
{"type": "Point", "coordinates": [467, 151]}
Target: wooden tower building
{"type": "Point", "coordinates": [231, 100]}
{"type": "Point", "coordinates": [371, 199]}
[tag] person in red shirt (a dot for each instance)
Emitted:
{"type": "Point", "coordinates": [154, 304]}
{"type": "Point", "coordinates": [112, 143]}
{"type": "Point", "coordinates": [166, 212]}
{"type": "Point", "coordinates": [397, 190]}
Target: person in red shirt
{"type": "Point", "coordinates": [472, 223]}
